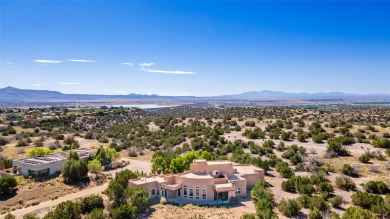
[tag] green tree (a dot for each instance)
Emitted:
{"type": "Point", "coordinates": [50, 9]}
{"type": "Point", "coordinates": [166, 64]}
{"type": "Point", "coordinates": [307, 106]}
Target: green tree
{"type": "Point", "coordinates": [102, 156]}
{"type": "Point", "coordinates": [73, 155]}
{"type": "Point", "coordinates": [289, 208]}
{"type": "Point", "coordinates": [376, 187]}
{"type": "Point", "coordinates": [356, 212]}
{"type": "Point", "coordinates": [38, 152]}
{"type": "Point", "coordinates": [116, 193]}
{"type": "Point", "coordinates": [177, 165]}
{"type": "Point", "coordinates": [264, 200]}
{"type": "Point", "coordinates": [90, 203]}
{"type": "Point", "coordinates": [112, 153]}
{"type": "Point", "coordinates": [96, 213]}
{"type": "Point", "coordinates": [68, 210]}
{"type": "Point", "coordinates": [159, 165]}
{"type": "Point", "coordinates": [75, 170]}
{"type": "Point", "coordinates": [315, 214]}
{"type": "Point", "coordinates": [139, 197]}
{"type": "Point", "coordinates": [317, 202]}
{"type": "Point", "coordinates": [95, 167]}
{"type": "Point", "coordinates": [122, 177]}
{"type": "Point", "coordinates": [345, 183]}
{"type": "Point", "coordinates": [7, 184]}
{"type": "Point", "coordinates": [125, 211]}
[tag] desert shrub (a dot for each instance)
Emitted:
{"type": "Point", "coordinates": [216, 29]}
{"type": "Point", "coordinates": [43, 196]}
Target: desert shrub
{"type": "Point", "coordinates": [300, 184]}
{"type": "Point", "coordinates": [349, 170]}
{"type": "Point", "coordinates": [163, 201]}
{"type": "Point", "coordinates": [345, 183]}
{"type": "Point", "coordinates": [376, 187]}
{"type": "Point", "coordinates": [96, 213]}
{"type": "Point", "coordinates": [302, 136]}
{"type": "Point", "coordinates": [304, 200]}
{"type": "Point", "coordinates": [325, 188]}
{"type": "Point", "coordinates": [88, 135]}
{"type": "Point", "coordinates": [296, 159]}
{"type": "Point", "coordinates": [289, 208]}
{"type": "Point", "coordinates": [9, 216]}
{"type": "Point", "coordinates": [315, 214]}
{"type": "Point", "coordinates": [263, 199]}
{"type": "Point", "coordinates": [30, 216]}
{"type": "Point", "coordinates": [284, 170]}
{"type": "Point", "coordinates": [139, 197]}
{"type": "Point", "coordinates": [66, 209]}
{"type": "Point", "coordinates": [334, 215]}
{"type": "Point", "coordinates": [38, 143]}
{"type": "Point", "coordinates": [125, 211]}
{"type": "Point", "coordinates": [69, 140]}
{"type": "Point", "coordinates": [7, 184]}
{"type": "Point", "coordinates": [249, 216]}
{"type": "Point", "coordinates": [89, 203]}
{"type": "Point", "coordinates": [335, 145]}
{"type": "Point", "coordinates": [381, 143]}
{"type": "Point", "coordinates": [56, 144]}
{"type": "Point", "coordinates": [317, 202]}
{"type": "Point", "coordinates": [288, 186]}
{"type": "Point", "coordinates": [356, 212]}
{"type": "Point", "coordinates": [22, 143]}
{"type": "Point", "coordinates": [366, 200]}
{"type": "Point", "coordinates": [336, 201]}
{"type": "Point", "coordinates": [3, 141]}
{"type": "Point", "coordinates": [365, 158]}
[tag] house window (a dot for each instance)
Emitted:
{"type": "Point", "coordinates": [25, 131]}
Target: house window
{"type": "Point", "coordinates": [191, 192]}
{"type": "Point", "coordinates": [204, 193]}
{"type": "Point", "coordinates": [164, 193]}
{"type": "Point", "coordinates": [158, 192]}
{"type": "Point", "coordinates": [216, 173]}
{"type": "Point", "coordinates": [185, 192]}
{"type": "Point", "coordinates": [197, 193]}
{"type": "Point", "coordinates": [153, 191]}
{"type": "Point", "coordinates": [238, 190]}
{"type": "Point", "coordinates": [178, 193]}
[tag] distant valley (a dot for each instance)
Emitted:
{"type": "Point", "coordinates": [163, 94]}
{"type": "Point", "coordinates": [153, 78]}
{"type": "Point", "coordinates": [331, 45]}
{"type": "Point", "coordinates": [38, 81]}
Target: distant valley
{"type": "Point", "coordinates": [11, 96]}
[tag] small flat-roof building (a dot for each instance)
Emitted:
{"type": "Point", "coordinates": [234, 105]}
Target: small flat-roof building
{"type": "Point", "coordinates": [207, 182]}
{"type": "Point", "coordinates": [43, 166]}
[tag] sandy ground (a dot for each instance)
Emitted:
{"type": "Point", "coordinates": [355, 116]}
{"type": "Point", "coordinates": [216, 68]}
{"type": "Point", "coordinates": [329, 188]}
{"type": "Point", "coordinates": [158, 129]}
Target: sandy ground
{"type": "Point", "coordinates": [244, 206]}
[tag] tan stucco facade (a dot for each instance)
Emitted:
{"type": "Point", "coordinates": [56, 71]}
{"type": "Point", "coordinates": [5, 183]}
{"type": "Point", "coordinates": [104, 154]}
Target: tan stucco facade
{"type": "Point", "coordinates": [205, 182]}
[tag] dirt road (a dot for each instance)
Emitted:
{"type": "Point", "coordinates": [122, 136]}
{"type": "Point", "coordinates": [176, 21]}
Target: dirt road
{"type": "Point", "coordinates": [134, 165]}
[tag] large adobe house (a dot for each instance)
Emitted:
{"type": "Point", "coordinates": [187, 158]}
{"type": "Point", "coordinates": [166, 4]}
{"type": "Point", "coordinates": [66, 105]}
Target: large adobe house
{"type": "Point", "coordinates": [207, 182]}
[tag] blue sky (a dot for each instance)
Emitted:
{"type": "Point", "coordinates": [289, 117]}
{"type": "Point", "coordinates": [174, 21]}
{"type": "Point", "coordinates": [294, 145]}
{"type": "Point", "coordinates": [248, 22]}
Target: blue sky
{"type": "Point", "coordinates": [195, 47]}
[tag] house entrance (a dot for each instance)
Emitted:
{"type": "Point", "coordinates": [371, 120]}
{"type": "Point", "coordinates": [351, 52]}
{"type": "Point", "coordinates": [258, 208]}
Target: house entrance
{"type": "Point", "coordinates": [221, 196]}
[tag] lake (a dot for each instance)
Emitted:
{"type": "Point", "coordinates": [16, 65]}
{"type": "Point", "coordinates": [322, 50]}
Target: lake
{"type": "Point", "coordinates": [142, 106]}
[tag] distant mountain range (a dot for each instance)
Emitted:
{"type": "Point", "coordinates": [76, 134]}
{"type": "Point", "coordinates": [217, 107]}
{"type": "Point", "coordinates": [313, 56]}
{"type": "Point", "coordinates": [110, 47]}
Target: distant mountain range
{"type": "Point", "coordinates": [11, 94]}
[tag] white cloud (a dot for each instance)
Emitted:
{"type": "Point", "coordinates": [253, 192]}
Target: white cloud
{"type": "Point", "coordinates": [38, 85]}
{"type": "Point", "coordinates": [128, 64]}
{"type": "Point", "coordinates": [144, 65]}
{"type": "Point", "coordinates": [170, 72]}
{"type": "Point", "coordinates": [80, 60]}
{"type": "Point", "coordinates": [47, 61]}
{"type": "Point", "coordinates": [71, 83]}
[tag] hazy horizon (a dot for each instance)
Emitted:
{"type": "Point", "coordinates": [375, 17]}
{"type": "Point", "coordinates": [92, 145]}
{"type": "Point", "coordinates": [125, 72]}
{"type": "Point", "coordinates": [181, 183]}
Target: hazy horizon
{"type": "Point", "coordinates": [227, 94]}
{"type": "Point", "coordinates": [195, 48]}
